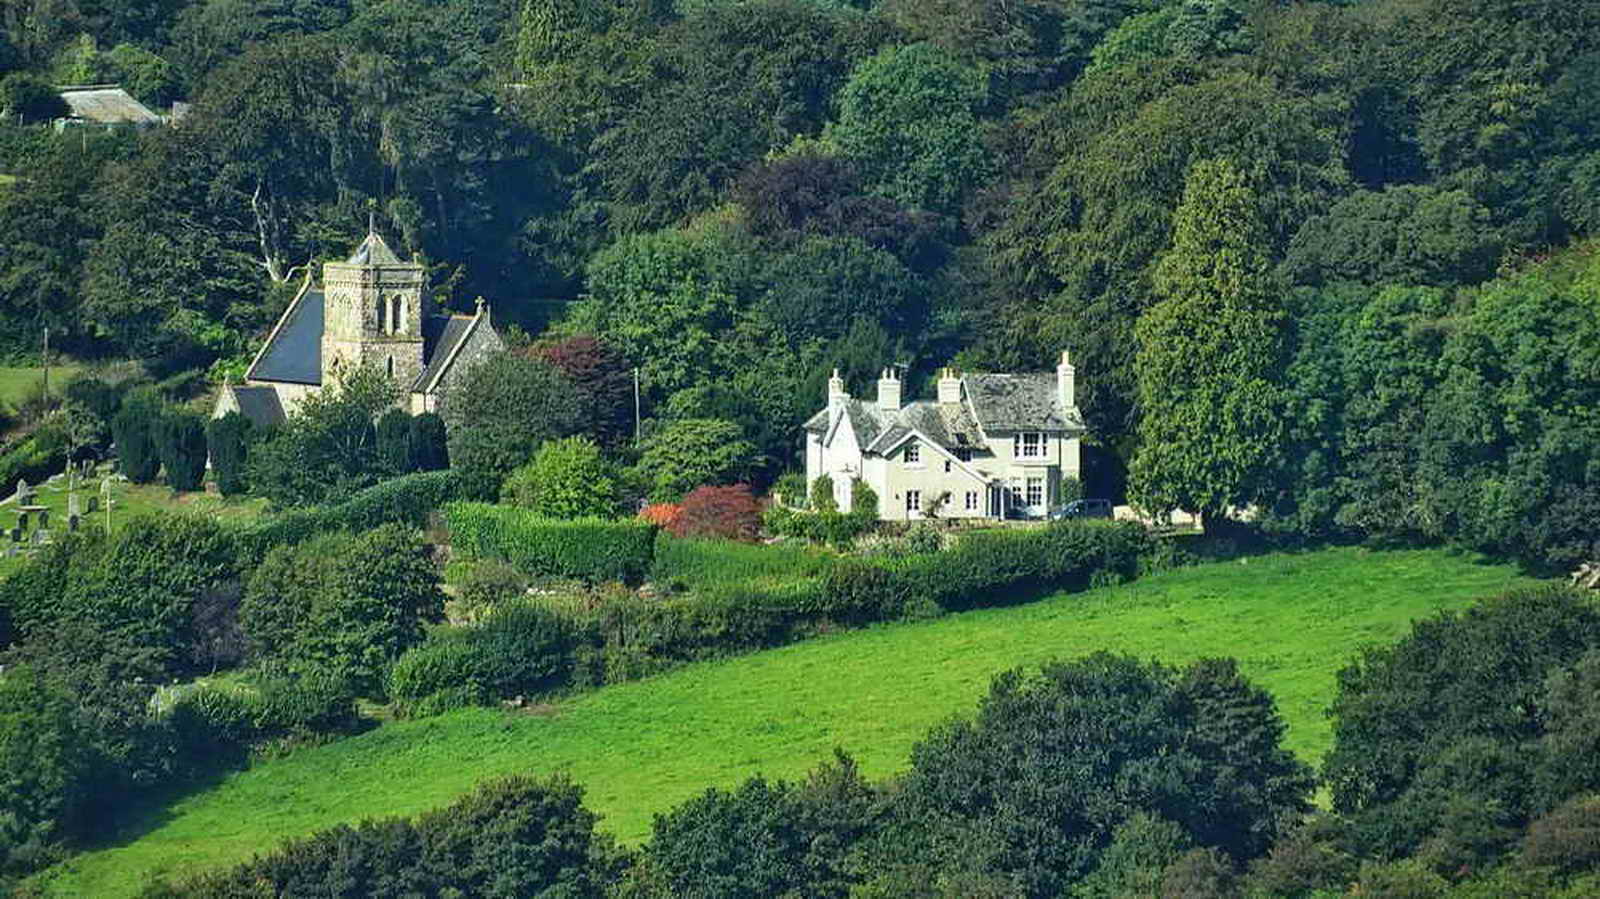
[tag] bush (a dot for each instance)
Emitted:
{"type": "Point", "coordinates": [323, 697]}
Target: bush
{"type": "Point", "coordinates": [489, 583]}
{"type": "Point", "coordinates": [394, 442]}
{"type": "Point", "coordinates": [407, 500]}
{"type": "Point", "coordinates": [790, 490]}
{"type": "Point", "coordinates": [822, 498]}
{"type": "Point", "coordinates": [661, 514]}
{"type": "Point", "coordinates": [589, 549]}
{"type": "Point", "coordinates": [567, 478]}
{"type": "Point", "coordinates": [134, 430]}
{"type": "Point", "coordinates": [227, 442]}
{"type": "Point", "coordinates": [182, 437]}
{"type": "Point", "coordinates": [428, 443]}
{"type": "Point", "coordinates": [447, 661]}
{"type": "Point", "coordinates": [30, 460]}
{"type": "Point", "coordinates": [728, 512]}
{"type": "Point", "coordinates": [693, 452]}
{"type": "Point", "coordinates": [520, 649]}
{"type": "Point", "coordinates": [47, 766]}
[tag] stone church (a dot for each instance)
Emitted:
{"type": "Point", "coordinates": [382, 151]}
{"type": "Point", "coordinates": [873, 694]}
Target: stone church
{"type": "Point", "coordinates": [372, 309]}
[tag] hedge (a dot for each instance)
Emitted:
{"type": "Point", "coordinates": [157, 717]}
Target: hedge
{"type": "Point", "coordinates": [591, 549]}
{"type": "Point", "coordinates": [404, 500]}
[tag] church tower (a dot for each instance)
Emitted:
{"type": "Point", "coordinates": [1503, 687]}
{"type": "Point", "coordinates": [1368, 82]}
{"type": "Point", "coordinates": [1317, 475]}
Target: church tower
{"type": "Point", "coordinates": [373, 314]}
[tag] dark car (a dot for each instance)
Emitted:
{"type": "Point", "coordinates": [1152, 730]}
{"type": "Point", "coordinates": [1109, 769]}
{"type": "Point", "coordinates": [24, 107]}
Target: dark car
{"type": "Point", "coordinates": [1082, 508]}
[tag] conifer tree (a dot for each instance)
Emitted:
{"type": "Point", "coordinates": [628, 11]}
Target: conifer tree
{"type": "Point", "coordinates": [1210, 355]}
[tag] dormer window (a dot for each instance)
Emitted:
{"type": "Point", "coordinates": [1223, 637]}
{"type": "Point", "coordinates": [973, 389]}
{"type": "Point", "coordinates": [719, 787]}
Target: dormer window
{"type": "Point", "coordinates": [1028, 445]}
{"type": "Point", "coordinates": [913, 453]}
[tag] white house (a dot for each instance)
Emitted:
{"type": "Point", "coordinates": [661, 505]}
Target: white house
{"type": "Point", "coordinates": [988, 443]}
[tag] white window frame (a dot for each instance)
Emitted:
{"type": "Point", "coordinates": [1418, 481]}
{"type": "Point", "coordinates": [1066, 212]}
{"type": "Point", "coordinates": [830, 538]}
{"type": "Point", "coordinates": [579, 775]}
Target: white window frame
{"type": "Point", "coordinates": [913, 501]}
{"type": "Point", "coordinates": [1035, 491]}
{"type": "Point", "coordinates": [972, 500]}
{"type": "Point", "coordinates": [913, 453]}
{"type": "Point", "coordinates": [1022, 447]}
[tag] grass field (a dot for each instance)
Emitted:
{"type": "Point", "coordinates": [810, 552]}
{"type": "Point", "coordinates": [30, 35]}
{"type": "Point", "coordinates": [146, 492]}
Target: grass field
{"type": "Point", "coordinates": [16, 382]}
{"type": "Point", "coordinates": [1292, 620]}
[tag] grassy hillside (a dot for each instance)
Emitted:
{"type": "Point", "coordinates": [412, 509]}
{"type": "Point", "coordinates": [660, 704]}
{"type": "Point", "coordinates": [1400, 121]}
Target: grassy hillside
{"type": "Point", "coordinates": [16, 383]}
{"type": "Point", "coordinates": [639, 748]}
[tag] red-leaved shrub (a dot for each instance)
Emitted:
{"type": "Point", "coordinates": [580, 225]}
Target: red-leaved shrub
{"type": "Point", "coordinates": [730, 512]}
{"type": "Point", "coordinates": [663, 514]}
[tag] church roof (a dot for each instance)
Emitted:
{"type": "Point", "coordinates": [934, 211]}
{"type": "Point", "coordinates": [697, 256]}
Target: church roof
{"type": "Point", "coordinates": [373, 251]}
{"type": "Point", "coordinates": [259, 404]}
{"type": "Point", "coordinates": [294, 351]}
{"type": "Point", "coordinates": [441, 334]}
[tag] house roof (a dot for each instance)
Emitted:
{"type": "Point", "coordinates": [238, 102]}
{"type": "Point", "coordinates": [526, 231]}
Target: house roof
{"type": "Point", "coordinates": [294, 351]}
{"type": "Point", "coordinates": [1019, 402]}
{"type": "Point", "coordinates": [259, 404]}
{"type": "Point", "coordinates": [107, 104]}
{"type": "Point", "coordinates": [441, 334]}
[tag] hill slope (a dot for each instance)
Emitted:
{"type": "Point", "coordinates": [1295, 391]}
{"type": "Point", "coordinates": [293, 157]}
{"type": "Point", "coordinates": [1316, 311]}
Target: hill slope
{"type": "Point", "coordinates": [639, 748]}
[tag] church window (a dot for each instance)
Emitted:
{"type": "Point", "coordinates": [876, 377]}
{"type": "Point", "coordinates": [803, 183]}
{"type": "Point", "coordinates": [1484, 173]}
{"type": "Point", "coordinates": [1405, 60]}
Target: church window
{"type": "Point", "coordinates": [391, 366]}
{"type": "Point", "coordinates": [383, 315]}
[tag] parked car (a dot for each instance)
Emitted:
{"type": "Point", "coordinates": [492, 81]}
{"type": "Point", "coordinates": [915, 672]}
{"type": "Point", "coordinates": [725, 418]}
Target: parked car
{"type": "Point", "coordinates": [1082, 508]}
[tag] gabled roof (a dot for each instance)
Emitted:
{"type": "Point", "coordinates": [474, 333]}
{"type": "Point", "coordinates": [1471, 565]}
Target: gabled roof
{"type": "Point", "coordinates": [107, 104]}
{"type": "Point", "coordinates": [1020, 402]}
{"type": "Point", "coordinates": [441, 334]}
{"type": "Point", "coordinates": [373, 251]}
{"type": "Point", "coordinates": [294, 350]}
{"type": "Point", "coordinates": [259, 404]}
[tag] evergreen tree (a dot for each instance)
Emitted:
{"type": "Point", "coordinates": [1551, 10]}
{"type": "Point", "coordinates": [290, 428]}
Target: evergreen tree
{"type": "Point", "coordinates": [183, 449]}
{"type": "Point", "coordinates": [1211, 352]}
{"type": "Point", "coordinates": [428, 452]}
{"type": "Point", "coordinates": [394, 442]}
{"type": "Point", "coordinates": [133, 430]}
{"type": "Point", "coordinates": [227, 439]}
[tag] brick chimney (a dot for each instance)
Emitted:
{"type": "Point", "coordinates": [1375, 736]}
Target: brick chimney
{"type": "Point", "coordinates": [949, 386]}
{"type": "Point", "coordinates": [889, 391]}
{"type": "Point", "coordinates": [836, 395]}
{"type": "Point", "coordinates": [1066, 388]}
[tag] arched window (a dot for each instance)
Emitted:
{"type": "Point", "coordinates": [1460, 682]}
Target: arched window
{"type": "Point", "coordinates": [383, 314]}
{"type": "Point", "coordinates": [399, 315]}
{"type": "Point", "coordinates": [391, 366]}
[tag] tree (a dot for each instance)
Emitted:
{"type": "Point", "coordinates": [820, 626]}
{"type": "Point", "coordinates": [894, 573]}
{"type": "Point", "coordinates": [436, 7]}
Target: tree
{"type": "Point", "coordinates": [1036, 787]}
{"type": "Point", "coordinates": [343, 603]}
{"type": "Point", "coordinates": [134, 431]}
{"type": "Point", "coordinates": [1408, 234]}
{"type": "Point", "coordinates": [428, 442]}
{"type": "Point", "coordinates": [329, 447]}
{"type": "Point", "coordinates": [603, 381]}
{"type": "Point", "coordinates": [31, 98]}
{"type": "Point", "coordinates": [691, 452]}
{"type": "Point", "coordinates": [227, 444]}
{"type": "Point", "coordinates": [504, 409]}
{"type": "Point", "coordinates": [732, 513]}
{"type": "Point", "coordinates": [47, 762]}
{"type": "Point", "coordinates": [394, 442]}
{"type": "Point", "coordinates": [907, 119]}
{"type": "Point", "coordinates": [1211, 356]}
{"type": "Point", "coordinates": [567, 478]}
{"type": "Point", "coordinates": [182, 436]}
{"type": "Point", "coordinates": [822, 286]}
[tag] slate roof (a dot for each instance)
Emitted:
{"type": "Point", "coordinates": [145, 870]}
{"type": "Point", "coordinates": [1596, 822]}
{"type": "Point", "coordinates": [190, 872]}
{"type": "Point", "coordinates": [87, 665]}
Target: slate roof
{"type": "Point", "coordinates": [259, 404]}
{"type": "Point", "coordinates": [294, 352]}
{"type": "Point", "coordinates": [440, 336]}
{"type": "Point", "coordinates": [107, 104]}
{"type": "Point", "coordinates": [1000, 402]}
{"type": "Point", "coordinates": [373, 251]}
{"type": "Point", "coordinates": [1021, 402]}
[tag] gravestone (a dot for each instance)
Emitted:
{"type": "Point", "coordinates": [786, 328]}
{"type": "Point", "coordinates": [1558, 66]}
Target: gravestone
{"type": "Point", "coordinates": [92, 505]}
{"type": "Point", "coordinates": [16, 535]}
{"type": "Point", "coordinates": [72, 524]}
{"type": "Point", "coordinates": [44, 519]}
{"type": "Point", "coordinates": [22, 521]}
{"type": "Point", "coordinates": [41, 537]}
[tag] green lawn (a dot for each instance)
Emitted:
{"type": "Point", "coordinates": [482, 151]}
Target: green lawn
{"type": "Point", "coordinates": [16, 382]}
{"type": "Point", "coordinates": [639, 748]}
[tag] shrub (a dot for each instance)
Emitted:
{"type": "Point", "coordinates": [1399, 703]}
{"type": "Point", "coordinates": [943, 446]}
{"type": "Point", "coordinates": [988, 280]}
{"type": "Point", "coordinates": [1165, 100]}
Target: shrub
{"type": "Point", "coordinates": [790, 490]}
{"type": "Point", "coordinates": [227, 441]}
{"type": "Point", "coordinates": [489, 583]}
{"type": "Point", "coordinates": [446, 661]}
{"type": "Point", "coordinates": [394, 442]}
{"type": "Point", "coordinates": [506, 407]}
{"type": "Point", "coordinates": [31, 460]}
{"type": "Point", "coordinates": [183, 449]}
{"type": "Point", "coordinates": [428, 443]}
{"type": "Point", "coordinates": [134, 430]}
{"type": "Point", "coordinates": [407, 500]}
{"type": "Point", "coordinates": [47, 765]}
{"type": "Point", "coordinates": [589, 549]}
{"type": "Point", "coordinates": [728, 512]}
{"type": "Point", "coordinates": [567, 478]}
{"type": "Point", "coordinates": [822, 498]}
{"type": "Point", "coordinates": [661, 514]}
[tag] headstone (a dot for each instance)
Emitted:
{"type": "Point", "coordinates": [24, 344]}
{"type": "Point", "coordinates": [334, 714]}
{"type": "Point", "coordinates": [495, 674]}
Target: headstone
{"type": "Point", "coordinates": [72, 524]}
{"type": "Point", "coordinates": [22, 490]}
{"type": "Point", "coordinates": [41, 537]}
{"type": "Point", "coordinates": [92, 506]}
{"type": "Point", "coordinates": [16, 535]}
{"type": "Point", "coordinates": [44, 519]}
{"type": "Point", "coordinates": [22, 521]}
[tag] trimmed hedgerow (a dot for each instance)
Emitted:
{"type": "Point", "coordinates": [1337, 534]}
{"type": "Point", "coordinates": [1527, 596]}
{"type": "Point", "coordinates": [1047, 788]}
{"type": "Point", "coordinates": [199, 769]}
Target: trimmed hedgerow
{"type": "Point", "coordinates": [405, 500]}
{"type": "Point", "coordinates": [592, 549]}
{"type": "Point", "coordinates": [520, 649]}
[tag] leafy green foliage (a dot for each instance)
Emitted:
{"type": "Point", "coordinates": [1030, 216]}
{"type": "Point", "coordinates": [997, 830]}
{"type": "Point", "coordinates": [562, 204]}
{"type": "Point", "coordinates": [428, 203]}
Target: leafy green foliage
{"type": "Point", "coordinates": [47, 763]}
{"type": "Point", "coordinates": [227, 445]}
{"type": "Point", "coordinates": [393, 436]}
{"type": "Point", "coordinates": [693, 452]}
{"type": "Point", "coordinates": [329, 448]}
{"type": "Point", "coordinates": [567, 478]}
{"type": "Point", "coordinates": [504, 409]}
{"type": "Point", "coordinates": [428, 443]}
{"type": "Point", "coordinates": [592, 549]}
{"type": "Point", "coordinates": [181, 436]}
{"type": "Point", "coordinates": [348, 604]}
{"type": "Point", "coordinates": [27, 97]}
{"type": "Point", "coordinates": [1403, 235]}
{"type": "Point", "coordinates": [135, 432]}
{"type": "Point", "coordinates": [1210, 358]}
{"type": "Point", "coordinates": [519, 649]}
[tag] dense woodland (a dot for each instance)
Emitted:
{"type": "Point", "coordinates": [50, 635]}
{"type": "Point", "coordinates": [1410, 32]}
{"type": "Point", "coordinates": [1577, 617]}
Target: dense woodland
{"type": "Point", "coordinates": [1331, 260]}
{"type": "Point", "coordinates": [736, 196]}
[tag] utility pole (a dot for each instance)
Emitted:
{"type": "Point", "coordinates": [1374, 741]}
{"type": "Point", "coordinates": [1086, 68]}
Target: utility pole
{"type": "Point", "coordinates": [635, 406]}
{"type": "Point", "coordinates": [47, 362]}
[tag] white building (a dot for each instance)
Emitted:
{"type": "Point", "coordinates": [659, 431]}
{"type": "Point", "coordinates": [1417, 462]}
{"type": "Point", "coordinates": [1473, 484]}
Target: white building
{"type": "Point", "coordinates": [988, 443]}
